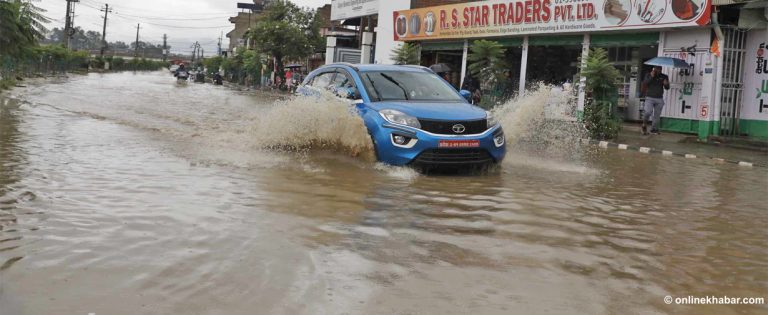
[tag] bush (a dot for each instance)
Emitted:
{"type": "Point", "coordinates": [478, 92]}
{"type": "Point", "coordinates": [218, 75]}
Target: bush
{"type": "Point", "coordinates": [599, 112]}
{"type": "Point", "coordinates": [407, 54]}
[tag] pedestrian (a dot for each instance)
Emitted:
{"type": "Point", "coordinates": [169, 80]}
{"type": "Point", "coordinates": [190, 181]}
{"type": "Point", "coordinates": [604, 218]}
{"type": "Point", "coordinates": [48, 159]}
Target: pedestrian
{"type": "Point", "coordinates": [473, 86]}
{"type": "Point", "coordinates": [653, 90]}
{"type": "Point", "coordinates": [289, 79]}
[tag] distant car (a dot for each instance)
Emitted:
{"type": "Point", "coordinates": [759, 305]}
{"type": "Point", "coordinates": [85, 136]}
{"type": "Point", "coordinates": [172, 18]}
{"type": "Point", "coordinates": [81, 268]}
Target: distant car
{"type": "Point", "coordinates": [173, 68]}
{"type": "Point", "coordinates": [413, 116]}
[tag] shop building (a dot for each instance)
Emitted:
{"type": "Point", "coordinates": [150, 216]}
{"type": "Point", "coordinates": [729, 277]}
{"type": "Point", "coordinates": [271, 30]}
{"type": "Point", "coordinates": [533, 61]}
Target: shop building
{"type": "Point", "coordinates": [546, 39]}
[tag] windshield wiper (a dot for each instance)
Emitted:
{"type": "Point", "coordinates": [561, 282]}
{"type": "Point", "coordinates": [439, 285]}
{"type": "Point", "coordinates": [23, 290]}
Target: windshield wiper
{"type": "Point", "coordinates": [378, 94]}
{"type": "Point", "coordinates": [405, 92]}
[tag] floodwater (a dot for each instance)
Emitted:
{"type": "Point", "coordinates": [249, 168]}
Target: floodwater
{"type": "Point", "coordinates": [133, 194]}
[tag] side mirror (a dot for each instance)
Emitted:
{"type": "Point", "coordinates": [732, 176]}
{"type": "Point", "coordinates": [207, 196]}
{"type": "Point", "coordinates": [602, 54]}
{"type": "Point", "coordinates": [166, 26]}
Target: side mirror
{"type": "Point", "coordinates": [467, 95]}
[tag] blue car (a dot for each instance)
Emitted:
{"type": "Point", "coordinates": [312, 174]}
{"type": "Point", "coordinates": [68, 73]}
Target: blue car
{"type": "Point", "coordinates": [414, 117]}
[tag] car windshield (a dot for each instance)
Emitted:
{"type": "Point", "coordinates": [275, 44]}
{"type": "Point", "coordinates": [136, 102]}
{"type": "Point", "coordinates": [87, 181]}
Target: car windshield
{"type": "Point", "coordinates": [408, 86]}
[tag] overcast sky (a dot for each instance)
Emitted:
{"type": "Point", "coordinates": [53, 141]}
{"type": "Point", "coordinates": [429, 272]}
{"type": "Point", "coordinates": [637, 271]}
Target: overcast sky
{"type": "Point", "coordinates": [185, 21]}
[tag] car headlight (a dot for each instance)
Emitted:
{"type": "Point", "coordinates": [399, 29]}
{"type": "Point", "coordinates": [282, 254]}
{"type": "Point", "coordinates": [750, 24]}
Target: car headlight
{"type": "Point", "coordinates": [490, 120]}
{"type": "Point", "coordinates": [398, 117]}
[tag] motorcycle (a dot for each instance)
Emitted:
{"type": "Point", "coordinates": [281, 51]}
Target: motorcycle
{"type": "Point", "coordinates": [182, 75]}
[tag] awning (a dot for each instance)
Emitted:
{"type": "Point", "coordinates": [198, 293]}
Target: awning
{"type": "Point", "coordinates": [618, 40]}
{"type": "Point", "coordinates": [433, 46]}
{"type": "Point", "coordinates": [563, 40]}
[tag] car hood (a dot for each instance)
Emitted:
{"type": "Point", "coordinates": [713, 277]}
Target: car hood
{"type": "Point", "coordinates": [434, 110]}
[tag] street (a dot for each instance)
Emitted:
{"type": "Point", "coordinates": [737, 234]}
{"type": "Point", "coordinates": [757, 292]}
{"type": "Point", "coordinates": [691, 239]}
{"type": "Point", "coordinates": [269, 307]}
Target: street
{"type": "Point", "coordinates": [130, 193]}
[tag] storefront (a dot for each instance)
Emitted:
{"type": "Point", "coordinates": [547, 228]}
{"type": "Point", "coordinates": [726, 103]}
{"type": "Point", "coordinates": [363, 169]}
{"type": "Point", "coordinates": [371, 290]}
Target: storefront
{"type": "Point", "coordinates": [546, 39]}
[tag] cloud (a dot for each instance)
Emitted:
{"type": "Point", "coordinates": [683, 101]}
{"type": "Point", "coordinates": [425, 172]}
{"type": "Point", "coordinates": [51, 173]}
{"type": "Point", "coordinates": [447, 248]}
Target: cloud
{"type": "Point", "coordinates": [184, 21]}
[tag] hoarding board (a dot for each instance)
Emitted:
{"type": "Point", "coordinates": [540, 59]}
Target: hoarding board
{"type": "Point", "coordinates": [347, 9]}
{"type": "Point", "coordinates": [756, 77]}
{"type": "Point", "coordinates": [523, 17]}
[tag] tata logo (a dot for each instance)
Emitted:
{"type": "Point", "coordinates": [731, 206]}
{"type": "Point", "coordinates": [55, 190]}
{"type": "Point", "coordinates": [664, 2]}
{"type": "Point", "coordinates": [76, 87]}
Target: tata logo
{"type": "Point", "coordinates": [458, 128]}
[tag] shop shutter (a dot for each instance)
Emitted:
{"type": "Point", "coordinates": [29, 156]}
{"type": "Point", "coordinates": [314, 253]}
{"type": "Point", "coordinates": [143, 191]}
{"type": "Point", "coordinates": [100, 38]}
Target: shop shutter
{"type": "Point", "coordinates": [564, 40]}
{"type": "Point", "coordinates": [620, 40]}
{"type": "Point", "coordinates": [507, 42]}
{"type": "Point", "coordinates": [433, 46]}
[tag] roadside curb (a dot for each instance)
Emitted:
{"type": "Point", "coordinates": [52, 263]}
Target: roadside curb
{"type": "Point", "coordinates": [647, 150]}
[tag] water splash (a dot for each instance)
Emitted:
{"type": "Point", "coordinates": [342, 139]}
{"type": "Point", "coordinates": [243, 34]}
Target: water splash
{"type": "Point", "coordinates": [540, 124]}
{"type": "Point", "coordinates": [313, 122]}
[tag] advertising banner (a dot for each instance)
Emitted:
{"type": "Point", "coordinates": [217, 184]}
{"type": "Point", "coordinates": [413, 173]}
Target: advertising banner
{"type": "Point", "coordinates": [756, 77]}
{"type": "Point", "coordinates": [347, 9]}
{"type": "Point", "coordinates": [523, 17]}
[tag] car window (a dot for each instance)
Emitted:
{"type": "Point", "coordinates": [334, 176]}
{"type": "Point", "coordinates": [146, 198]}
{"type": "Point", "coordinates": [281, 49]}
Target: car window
{"type": "Point", "coordinates": [323, 80]}
{"type": "Point", "coordinates": [408, 85]}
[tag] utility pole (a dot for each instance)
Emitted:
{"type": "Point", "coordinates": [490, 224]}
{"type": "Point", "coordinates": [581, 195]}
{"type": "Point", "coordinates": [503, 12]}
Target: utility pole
{"type": "Point", "coordinates": [218, 52]}
{"type": "Point", "coordinates": [165, 47]}
{"type": "Point", "coordinates": [202, 54]}
{"type": "Point", "coordinates": [69, 22]}
{"type": "Point", "coordinates": [136, 51]}
{"type": "Point", "coordinates": [106, 11]}
{"type": "Point", "coordinates": [195, 49]}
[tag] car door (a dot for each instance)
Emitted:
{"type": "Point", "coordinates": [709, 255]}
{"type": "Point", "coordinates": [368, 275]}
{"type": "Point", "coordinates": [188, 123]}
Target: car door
{"type": "Point", "coordinates": [343, 86]}
{"type": "Point", "coordinates": [318, 83]}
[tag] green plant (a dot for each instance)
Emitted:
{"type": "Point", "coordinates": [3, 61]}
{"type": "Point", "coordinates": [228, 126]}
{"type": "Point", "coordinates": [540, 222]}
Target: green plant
{"type": "Point", "coordinates": [213, 64]}
{"type": "Point", "coordinates": [599, 112]}
{"type": "Point", "coordinates": [286, 30]}
{"type": "Point", "coordinates": [486, 60]}
{"type": "Point", "coordinates": [406, 54]}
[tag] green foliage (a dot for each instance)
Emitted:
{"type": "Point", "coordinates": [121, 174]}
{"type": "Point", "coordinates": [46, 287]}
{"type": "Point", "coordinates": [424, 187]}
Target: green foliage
{"type": "Point", "coordinates": [213, 64]}
{"type": "Point", "coordinates": [599, 112]}
{"type": "Point", "coordinates": [486, 61]}
{"type": "Point", "coordinates": [406, 54]}
{"type": "Point", "coordinates": [21, 26]}
{"type": "Point", "coordinates": [252, 63]}
{"type": "Point", "coordinates": [285, 30]}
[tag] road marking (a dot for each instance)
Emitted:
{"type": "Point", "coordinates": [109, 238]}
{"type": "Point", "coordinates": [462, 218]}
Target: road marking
{"type": "Point", "coordinates": [623, 146]}
{"type": "Point", "coordinates": [742, 163]}
{"type": "Point", "coordinates": [645, 150]}
{"type": "Point", "coordinates": [665, 152]}
{"type": "Point", "coordinates": [690, 156]}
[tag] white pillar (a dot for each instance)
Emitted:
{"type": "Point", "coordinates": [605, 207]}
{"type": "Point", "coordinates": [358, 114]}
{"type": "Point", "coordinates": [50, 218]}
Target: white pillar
{"type": "Point", "coordinates": [464, 63]}
{"type": "Point", "coordinates": [583, 79]}
{"type": "Point", "coordinates": [523, 66]}
{"type": "Point", "coordinates": [330, 49]}
{"type": "Point", "coordinates": [367, 49]}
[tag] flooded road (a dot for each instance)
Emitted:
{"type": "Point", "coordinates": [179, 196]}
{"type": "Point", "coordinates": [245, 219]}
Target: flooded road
{"type": "Point", "coordinates": [132, 194]}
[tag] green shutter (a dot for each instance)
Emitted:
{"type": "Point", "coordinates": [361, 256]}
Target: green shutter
{"type": "Point", "coordinates": [432, 46]}
{"type": "Point", "coordinates": [625, 39]}
{"type": "Point", "coordinates": [563, 40]}
{"type": "Point", "coordinates": [509, 41]}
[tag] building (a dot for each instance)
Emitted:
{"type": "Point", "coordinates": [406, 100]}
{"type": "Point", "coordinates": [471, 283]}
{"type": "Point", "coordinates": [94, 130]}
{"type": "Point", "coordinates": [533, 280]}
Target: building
{"type": "Point", "coordinates": [243, 21]}
{"type": "Point", "coordinates": [724, 42]}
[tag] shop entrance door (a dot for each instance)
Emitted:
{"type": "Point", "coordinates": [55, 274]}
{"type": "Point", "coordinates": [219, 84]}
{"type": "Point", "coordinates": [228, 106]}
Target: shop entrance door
{"type": "Point", "coordinates": [733, 57]}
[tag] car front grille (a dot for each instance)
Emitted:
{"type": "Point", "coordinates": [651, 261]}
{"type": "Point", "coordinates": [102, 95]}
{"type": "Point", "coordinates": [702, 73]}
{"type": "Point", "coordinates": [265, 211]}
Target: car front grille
{"type": "Point", "coordinates": [443, 127]}
{"type": "Point", "coordinates": [454, 156]}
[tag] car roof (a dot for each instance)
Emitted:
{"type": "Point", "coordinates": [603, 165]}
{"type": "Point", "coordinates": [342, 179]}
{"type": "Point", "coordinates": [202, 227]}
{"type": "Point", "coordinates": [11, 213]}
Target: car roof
{"type": "Point", "coordinates": [380, 67]}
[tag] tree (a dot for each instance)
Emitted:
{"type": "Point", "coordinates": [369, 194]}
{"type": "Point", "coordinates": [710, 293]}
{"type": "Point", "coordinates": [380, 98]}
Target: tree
{"type": "Point", "coordinates": [599, 114]}
{"type": "Point", "coordinates": [406, 54]}
{"type": "Point", "coordinates": [286, 31]}
{"type": "Point", "coordinates": [21, 26]}
{"type": "Point", "coordinates": [213, 64]}
{"type": "Point", "coordinates": [486, 60]}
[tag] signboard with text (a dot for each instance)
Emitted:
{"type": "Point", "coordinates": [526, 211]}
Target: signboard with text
{"type": "Point", "coordinates": [347, 9]}
{"type": "Point", "coordinates": [523, 17]}
{"type": "Point", "coordinates": [755, 104]}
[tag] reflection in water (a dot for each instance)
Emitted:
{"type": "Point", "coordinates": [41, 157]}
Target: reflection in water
{"type": "Point", "coordinates": [135, 195]}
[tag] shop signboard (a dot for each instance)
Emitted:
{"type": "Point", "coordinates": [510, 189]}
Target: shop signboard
{"type": "Point", "coordinates": [756, 77]}
{"type": "Point", "coordinates": [523, 17]}
{"type": "Point", "coordinates": [347, 9]}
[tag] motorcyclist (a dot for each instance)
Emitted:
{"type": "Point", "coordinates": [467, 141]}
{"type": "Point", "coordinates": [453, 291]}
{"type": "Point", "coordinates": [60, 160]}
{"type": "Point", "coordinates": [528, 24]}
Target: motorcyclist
{"type": "Point", "coordinates": [217, 79]}
{"type": "Point", "coordinates": [181, 69]}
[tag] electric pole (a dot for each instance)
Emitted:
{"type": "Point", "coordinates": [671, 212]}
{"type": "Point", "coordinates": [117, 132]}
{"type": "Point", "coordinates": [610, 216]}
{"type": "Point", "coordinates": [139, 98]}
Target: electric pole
{"type": "Point", "coordinates": [136, 51]}
{"type": "Point", "coordinates": [69, 22]}
{"type": "Point", "coordinates": [165, 47]}
{"type": "Point", "coordinates": [106, 11]}
{"type": "Point", "coordinates": [219, 50]}
{"type": "Point", "coordinates": [195, 49]}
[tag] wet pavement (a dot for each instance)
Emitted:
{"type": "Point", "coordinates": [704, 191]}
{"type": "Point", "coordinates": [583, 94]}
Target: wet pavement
{"type": "Point", "coordinates": [133, 194]}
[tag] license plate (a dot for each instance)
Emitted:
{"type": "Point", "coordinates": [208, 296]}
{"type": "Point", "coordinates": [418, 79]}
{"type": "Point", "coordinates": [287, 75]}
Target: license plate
{"type": "Point", "coordinates": [459, 143]}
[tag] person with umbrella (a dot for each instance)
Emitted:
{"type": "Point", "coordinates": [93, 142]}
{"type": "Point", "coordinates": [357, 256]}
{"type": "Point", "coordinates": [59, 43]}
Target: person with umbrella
{"type": "Point", "coordinates": [652, 89]}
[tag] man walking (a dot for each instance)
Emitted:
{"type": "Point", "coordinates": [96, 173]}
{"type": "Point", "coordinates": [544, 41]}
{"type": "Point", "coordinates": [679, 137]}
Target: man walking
{"type": "Point", "coordinates": [653, 90]}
